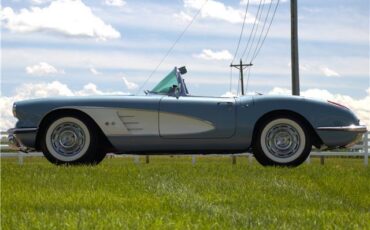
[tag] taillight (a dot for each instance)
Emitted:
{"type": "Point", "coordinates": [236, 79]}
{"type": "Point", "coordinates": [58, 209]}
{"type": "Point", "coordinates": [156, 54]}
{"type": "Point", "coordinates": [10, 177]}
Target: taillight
{"type": "Point", "coordinates": [337, 104]}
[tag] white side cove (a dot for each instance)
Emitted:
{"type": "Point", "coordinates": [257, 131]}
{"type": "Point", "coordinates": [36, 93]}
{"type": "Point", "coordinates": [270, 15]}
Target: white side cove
{"type": "Point", "coordinates": [107, 119]}
{"type": "Point", "coordinates": [174, 124]}
{"type": "Point", "coordinates": [137, 122]}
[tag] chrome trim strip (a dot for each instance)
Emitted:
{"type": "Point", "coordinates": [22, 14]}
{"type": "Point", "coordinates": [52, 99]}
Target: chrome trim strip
{"type": "Point", "coordinates": [25, 130]}
{"type": "Point", "coordinates": [350, 128]}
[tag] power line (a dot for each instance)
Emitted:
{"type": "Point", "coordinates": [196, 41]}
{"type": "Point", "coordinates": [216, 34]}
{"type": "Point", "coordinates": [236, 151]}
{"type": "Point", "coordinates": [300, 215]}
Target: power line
{"type": "Point", "coordinates": [173, 45]}
{"type": "Point", "coordinates": [238, 46]}
{"type": "Point", "coordinates": [262, 30]}
{"type": "Point", "coordinates": [268, 29]}
{"type": "Point", "coordinates": [254, 25]}
{"type": "Point", "coordinates": [248, 75]}
{"type": "Point", "coordinates": [255, 32]}
{"type": "Point", "coordinates": [252, 47]}
{"type": "Point", "coordinates": [241, 32]}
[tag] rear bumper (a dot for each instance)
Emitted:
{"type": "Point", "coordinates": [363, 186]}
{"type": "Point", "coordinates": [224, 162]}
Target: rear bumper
{"type": "Point", "coordinates": [342, 136]}
{"type": "Point", "coordinates": [22, 139]}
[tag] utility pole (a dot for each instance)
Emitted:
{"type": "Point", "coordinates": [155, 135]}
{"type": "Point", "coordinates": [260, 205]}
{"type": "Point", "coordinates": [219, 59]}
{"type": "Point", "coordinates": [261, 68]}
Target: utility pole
{"type": "Point", "coordinates": [241, 68]}
{"type": "Point", "coordinates": [294, 47]}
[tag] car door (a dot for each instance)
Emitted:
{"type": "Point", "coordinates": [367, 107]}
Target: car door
{"type": "Point", "coordinates": [196, 117]}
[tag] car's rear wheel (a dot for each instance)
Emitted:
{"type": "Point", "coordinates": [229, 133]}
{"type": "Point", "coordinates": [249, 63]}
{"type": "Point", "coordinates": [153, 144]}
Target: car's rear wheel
{"type": "Point", "coordinates": [71, 140]}
{"type": "Point", "coordinates": [282, 141]}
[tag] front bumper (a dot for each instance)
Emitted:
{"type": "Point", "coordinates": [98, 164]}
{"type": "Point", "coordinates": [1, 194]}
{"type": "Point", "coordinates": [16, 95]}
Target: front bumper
{"type": "Point", "coordinates": [22, 139]}
{"type": "Point", "coordinates": [355, 131]}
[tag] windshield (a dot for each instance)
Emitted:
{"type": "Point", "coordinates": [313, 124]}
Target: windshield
{"type": "Point", "coordinates": [166, 84]}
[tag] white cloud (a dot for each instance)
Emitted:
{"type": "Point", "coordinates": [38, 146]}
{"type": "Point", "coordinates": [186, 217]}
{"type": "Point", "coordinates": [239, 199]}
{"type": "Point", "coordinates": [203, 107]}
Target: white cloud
{"type": "Point", "coordinates": [280, 91]}
{"type": "Point", "coordinates": [359, 106]}
{"type": "Point", "coordinates": [92, 89]}
{"type": "Point", "coordinates": [41, 90]}
{"type": "Point", "coordinates": [130, 85]}
{"type": "Point", "coordinates": [119, 3]}
{"type": "Point", "coordinates": [6, 117]}
{"type": "Point", "coordinates": [208, 54]}
{"type": "Point", "coordinates": [317, 69]}
{"type": "Point", "coordinates": [42, 69]}
{"type": "Point", "coordinates": [94, 71]}
{"type": "Point", "coordinates": [217, 10]}
{"type": "Point", "coordinates": [183, 16]}
{"type": "Point", "coordinates": [66, 17]}
{"type": "Point", "coordinates": [39, 2]}
{"type": "Point", "coordinates": [329, 72]}
{"type": "Point", "coordinates": [229, 94]}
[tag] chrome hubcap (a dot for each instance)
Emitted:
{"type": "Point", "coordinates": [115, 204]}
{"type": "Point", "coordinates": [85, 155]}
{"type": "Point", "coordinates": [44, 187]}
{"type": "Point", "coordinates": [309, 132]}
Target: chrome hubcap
{"type": "Point", "coordinates": [282, 140]}
{"type": "Point", "coordinates": [68, 139]}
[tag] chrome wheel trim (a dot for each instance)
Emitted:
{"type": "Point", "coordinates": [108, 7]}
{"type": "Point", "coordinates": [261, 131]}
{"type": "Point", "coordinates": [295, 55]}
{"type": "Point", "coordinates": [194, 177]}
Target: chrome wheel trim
{"type": "Point", "coordinates": [283, 140]}
{"type": "Point", "coordinates": [67, 139]}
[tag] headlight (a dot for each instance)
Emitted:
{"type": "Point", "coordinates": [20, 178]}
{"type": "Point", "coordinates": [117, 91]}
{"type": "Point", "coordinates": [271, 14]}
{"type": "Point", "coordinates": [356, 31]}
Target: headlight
{"type": "Point", "coordinates": [14, 109]}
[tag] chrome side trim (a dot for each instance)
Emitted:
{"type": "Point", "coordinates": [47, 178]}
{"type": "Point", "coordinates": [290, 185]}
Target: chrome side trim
{"type": "Point", "coordinates": [350, 128]}
{"type": "Point", "coordinates": [22, 130]}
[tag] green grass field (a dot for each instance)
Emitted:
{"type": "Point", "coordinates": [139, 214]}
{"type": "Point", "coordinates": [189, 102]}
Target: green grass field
{"type": "Point", "coordinates": [171, 193]}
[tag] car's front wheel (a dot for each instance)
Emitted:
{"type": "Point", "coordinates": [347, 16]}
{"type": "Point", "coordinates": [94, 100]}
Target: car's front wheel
{"type": "Point", "coordinates": [71, 140]}
{"type": "Point", "coordinates": [282, 141]}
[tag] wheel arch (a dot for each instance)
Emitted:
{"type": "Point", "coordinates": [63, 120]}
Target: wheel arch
{"type": "Point", "coordinates": [49, 117]}
{"type": "Point", "coordinates": [316, 140]}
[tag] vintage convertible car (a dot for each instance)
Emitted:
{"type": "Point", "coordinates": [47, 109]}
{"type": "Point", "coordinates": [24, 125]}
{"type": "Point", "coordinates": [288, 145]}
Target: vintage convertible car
{"type": "Point", "coordinates": [279, 130]}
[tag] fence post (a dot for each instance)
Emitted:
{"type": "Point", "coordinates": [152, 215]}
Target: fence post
{"type": "Point", "coordinates": [250, 158]}
{"type": "Point", "coordinates": [193, 159]}
{"type": "Point", "coordinates": [322, 160]}
{"type": "Point", "coordinates": [136, 159]}
{"type": "Point", "coordinates": [20, 158]}
{"type": "Point", "coordinates": [366, 148]}
{"type": "Point", "coordinates": [147, 159]}
{"type": "Point", "coordinates": [233, 157]}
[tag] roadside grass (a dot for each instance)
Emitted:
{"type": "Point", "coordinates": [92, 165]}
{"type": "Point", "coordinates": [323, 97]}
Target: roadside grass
{"type": "Point", "coordinates": [171, 193]}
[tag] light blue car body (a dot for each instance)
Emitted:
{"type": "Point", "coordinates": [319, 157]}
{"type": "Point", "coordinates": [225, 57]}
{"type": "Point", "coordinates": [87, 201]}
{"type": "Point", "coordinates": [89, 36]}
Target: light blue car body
{"type": "Point", "coordinates": [163, 123]}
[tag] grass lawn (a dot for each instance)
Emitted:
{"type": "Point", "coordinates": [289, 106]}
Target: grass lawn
{"type": "Point", "coordinates": [171, 193]}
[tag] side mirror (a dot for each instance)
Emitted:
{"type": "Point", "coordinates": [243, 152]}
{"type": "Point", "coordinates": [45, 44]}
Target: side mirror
{"type": "Point", "coordinates": [183, 70]}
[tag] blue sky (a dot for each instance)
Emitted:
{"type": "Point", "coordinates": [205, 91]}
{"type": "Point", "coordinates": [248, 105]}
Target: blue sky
{"type": "Point", "coordinates": [126, 39]}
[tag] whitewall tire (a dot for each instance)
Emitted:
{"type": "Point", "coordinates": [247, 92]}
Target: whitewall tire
{"type": "Point", "coordinates": [71, 140]}
{"type": "Point", "coordinates": [283, 141]}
